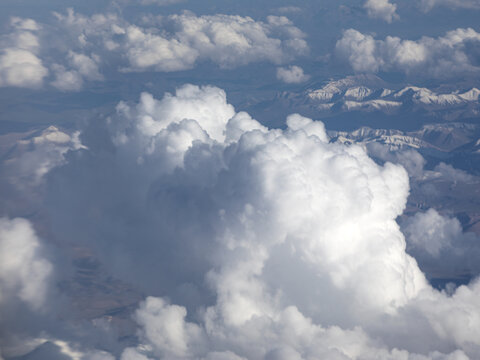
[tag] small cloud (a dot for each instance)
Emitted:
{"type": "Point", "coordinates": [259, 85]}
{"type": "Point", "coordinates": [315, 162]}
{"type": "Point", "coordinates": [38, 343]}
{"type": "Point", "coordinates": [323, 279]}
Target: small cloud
{"type": "Point", "coordinates": [19, 64]}
{"type": "Point", "coordinates": [381, 9]}
{"type": "Point", "coordinates": [292, 74]}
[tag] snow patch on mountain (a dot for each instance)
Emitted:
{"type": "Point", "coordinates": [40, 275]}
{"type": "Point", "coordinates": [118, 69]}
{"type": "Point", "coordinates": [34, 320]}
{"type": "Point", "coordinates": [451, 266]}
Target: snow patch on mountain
{"type": "Point", "coordinates": [368, 93]}
{"type": "Point", "coordinates": [370, 105]}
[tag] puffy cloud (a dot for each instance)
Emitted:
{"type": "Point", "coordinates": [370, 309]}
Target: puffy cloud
{"type": "Point", "coordinates": [360, 50]}
{"type": "Point", "coordinates": [178, 42]}
{"type": "Point", "coordinates": [66, 80]}
{"type": "Point", "coordinates": [19, 64]}
{"type": "Point", "coordinates": [432, 232]}
{"type": "Point", "coordinates": [226, 40]}
{"type": "Point", "coordinates": [381, 9]}
{"type": "Point", "coordinates": [292, 74]}
{"type": "Point", "coordinates": [440, 57]}
{"type": "Point", "coordinates": [217, 217]}
{"type": "Point", "coordinates": [24, 272]}
{"type": "Point", "coordinates": [82, 67]}
{"type": "Point", "coordinates": [440, 245]}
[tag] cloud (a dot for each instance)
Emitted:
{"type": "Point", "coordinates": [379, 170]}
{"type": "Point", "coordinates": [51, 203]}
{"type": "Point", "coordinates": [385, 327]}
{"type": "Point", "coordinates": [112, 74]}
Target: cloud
{"type": "Point", "coordinates": [410, 159]}
{"type": "Point", "coordinates": [178, 42]}
{"type": "Point", "coordinates": [227, 40]}
{"type": "Point", "coordinates": [381, 9]}
{"type": "Point", "coordinates": [34, 156]}
{"type": "Point", "coordinates": [24, 272]}
{"type": "Point", "coordinates": [170, 43]}
{"type": "Point", "coordinates": [82, 67]}
{"type": "Point", "coordinates": [449, 173]}
{"type": "Point", "coordinates": [440, 245]}
{"type": "Point", "coordinates": [292, 74]}
{"type": "Point", "coordinates": [19, 64]}
{"type": "Point", "coordinates": [440, 57]}
{"type": "Point", "coordinates": [217, 218]}
{"type": "Point", "coordinates": [427, 5]}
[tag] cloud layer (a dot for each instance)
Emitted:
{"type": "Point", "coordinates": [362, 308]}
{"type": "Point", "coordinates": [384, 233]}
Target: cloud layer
{"type": "Point", "coordinates": [442, 57]}
{"type": "Point", "coordinates": [178, 42]}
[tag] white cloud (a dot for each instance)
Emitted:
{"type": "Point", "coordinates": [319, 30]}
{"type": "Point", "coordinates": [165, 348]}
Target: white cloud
{"type": "Point", "coordinates": [448, 172]}
{"type": "Point", "coordinates": [220, 217]}
{"type": "Point", "coordinates": [19, 64]}
{"type": "Point", "coordinates": [327, 210]}
{"type": "Point", "coordinates": [381, 9]}
{"type": "Point", "coordinates": [81, 67]}
{"type": "Point", "coordinates": [432, 232]}
{"type": "Point", "coordinates": [145, 50]}
{"type": "Point", "coordinates": [66, 80]}
{"type": "Point", "coordinates": [24, 272]}
{"type": "Point", "coordinates": [292, 74]}
{"type": "Point", "coordinates": [440, 245]}
{"type": "Point", "coordinates": [440, 57]}
{"type": "Point", "coordinates": [227, 40]}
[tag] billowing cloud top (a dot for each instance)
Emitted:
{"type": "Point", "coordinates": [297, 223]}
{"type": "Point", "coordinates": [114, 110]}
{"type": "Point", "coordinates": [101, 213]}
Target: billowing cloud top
{"type": "Point", "coordinates": [233, 219]}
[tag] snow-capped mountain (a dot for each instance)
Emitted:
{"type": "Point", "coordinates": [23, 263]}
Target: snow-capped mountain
{"type": "Point", "coordinates": [441, 137]}
{"type": "Point", "coordinates": [370, 93]}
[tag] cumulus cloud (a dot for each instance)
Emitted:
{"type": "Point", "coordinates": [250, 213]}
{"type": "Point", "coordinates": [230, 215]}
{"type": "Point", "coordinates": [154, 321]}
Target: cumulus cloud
{"type": "Point", "coordinates": [19, 64]}
{"type": "Point", "coordinates": [381, 9]}
{"type": "Point", "coordinates": [164, 43]}
{"type": "Point", "coordinates": [440, 245]}
{"type": "Point", "coordinates": [81, 67]}
{"type": "Point", "coordinates": [440, 57]}
{"type": "Point", "coordinates": [26, 286]}
{"type": "Point", "coordinates": [227, 40]}
{"type": "Point", "coordinates": [24, 272]}
{"type": "Point", "coordinates": [178, 42]}
{"type": "Point", "coordinates": [292, 74]}
{"type": "Point", "coordinates": [217, 217]}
